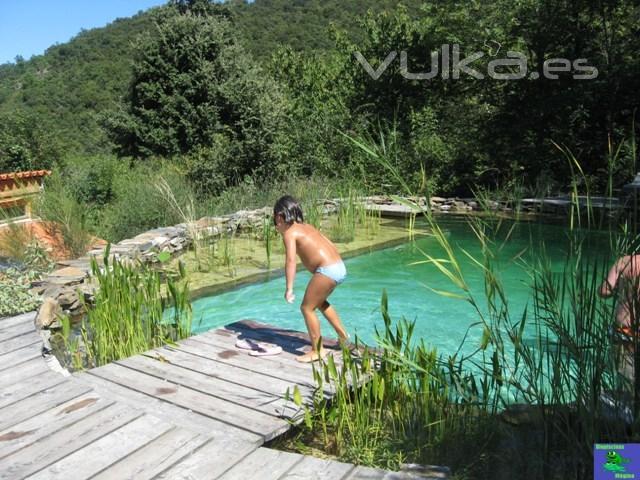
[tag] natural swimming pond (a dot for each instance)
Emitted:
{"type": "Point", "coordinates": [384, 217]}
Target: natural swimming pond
{"type": "Point", "coordinates": [440, 320]}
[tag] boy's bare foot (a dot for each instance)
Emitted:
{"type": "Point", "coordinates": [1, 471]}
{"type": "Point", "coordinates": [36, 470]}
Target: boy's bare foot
{"type": "Point", "coordinates": [311, 356]}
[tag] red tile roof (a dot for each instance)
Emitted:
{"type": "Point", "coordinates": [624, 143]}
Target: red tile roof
{"type": "Point", "coordinates": [31, 174]}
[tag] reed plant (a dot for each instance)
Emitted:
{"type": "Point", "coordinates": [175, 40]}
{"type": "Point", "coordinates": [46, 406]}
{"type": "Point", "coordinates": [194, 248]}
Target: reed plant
{"type": "Point", "coordinates": [71, 344]}
{"type": "Point", "coordinates": [352, 213]}
{"type": "Point", "coordinates": [64, 217]}
{"type": "Point", "coordinates": [268, 237]}
{"type": "Point", "coordinates": [228, 254]}
{"type": "Point", "coordinates": [135, 309]}
{"type": "Point", "coordinates": [313, 213]}
{"type": "Point", "coordinates": [343, 228]}
{"type": "Point", "coordinates": [392, 405]}
{"type": "Point", "coordinates": [188, 214]}
{"type": "Point", "coordinates": [557, 356]}
{"type": "Point", "coordinates": [372, 221]}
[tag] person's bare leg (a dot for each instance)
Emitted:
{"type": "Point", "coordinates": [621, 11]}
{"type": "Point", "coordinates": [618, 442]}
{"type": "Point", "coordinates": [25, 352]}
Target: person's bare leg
{"type": "Point", "coordinates": [334, 319]}
{"type": "Point", "coordinates": [319, 288]}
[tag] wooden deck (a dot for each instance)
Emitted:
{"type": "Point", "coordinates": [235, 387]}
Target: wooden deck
{"type": "Point", "coordinates": [199, 410]}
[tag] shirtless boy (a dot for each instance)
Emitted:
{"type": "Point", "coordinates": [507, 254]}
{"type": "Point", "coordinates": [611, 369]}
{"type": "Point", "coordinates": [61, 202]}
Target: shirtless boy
{"type": "Point", "coordinates": [322, 259]}
{"type": "Point", "coordinates": [624, 280]}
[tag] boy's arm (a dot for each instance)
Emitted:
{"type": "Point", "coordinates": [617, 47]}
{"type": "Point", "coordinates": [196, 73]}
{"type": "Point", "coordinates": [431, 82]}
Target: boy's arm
{"type": "Point", "coordinates": [290, 264]}
{"type": "Point", "coordinates": [609, 284]}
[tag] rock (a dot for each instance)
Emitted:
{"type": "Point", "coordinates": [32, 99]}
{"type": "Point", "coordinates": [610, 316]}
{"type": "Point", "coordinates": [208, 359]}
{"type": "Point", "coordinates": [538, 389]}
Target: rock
{"type": "Point", "coordinates": [445, 208]}
{"type": "Point", "coordinates": [438, 199]}
{"type": "Point", "coordinates": [424, 472]}
{"type": "Point", "coordinates": [48, 315]}
{"type": "Point", "coordinates": [71, 273]}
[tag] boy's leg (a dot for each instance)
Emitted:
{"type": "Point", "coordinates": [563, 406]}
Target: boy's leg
{"type": "Point", "coordinates": [332, 317]}
{"type": "Point", "coordinates": [319, 288]}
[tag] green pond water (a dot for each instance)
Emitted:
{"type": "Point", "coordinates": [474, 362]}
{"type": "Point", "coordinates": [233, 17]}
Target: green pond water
{"type": "Point", "coordinates": [441, 321]}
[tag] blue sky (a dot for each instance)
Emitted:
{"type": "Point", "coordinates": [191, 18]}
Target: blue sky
{"type": "Point", "coordinates": [29, 27]}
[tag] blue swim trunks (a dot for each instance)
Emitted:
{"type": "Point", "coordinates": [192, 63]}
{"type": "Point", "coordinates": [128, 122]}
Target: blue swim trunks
{"type": "Point", "coordinates": [336, 272]}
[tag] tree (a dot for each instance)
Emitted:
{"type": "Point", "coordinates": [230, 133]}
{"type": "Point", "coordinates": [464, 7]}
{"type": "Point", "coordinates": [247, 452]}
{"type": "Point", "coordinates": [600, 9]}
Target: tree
{"type": "Point", "coordinates": [194, 88]}
{"type": "Point", "coordinates": [24, 144]}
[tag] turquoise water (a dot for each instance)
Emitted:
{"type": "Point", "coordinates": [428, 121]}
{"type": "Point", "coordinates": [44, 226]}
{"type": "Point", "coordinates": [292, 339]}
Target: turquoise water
{"type": "Point", "coordinates": [441, 321]}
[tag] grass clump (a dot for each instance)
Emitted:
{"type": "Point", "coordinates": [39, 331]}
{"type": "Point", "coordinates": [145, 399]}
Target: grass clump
{"type": "Point", "coordinates": [136, 308]}
{"type": "Point", "coordinates": [393, 405]}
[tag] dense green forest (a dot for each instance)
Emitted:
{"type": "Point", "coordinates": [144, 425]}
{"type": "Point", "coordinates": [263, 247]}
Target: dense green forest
{"type": "Point", "coordinates": [217, 95]}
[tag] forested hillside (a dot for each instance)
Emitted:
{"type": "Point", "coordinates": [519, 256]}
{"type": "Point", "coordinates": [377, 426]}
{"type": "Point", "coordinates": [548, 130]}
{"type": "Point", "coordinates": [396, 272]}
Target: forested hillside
{"type": "Point", "coordinates": [244, 93]}
{"type": "Point", "coordinates": [57, 96]}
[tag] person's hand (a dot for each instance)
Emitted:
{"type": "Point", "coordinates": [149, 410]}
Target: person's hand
{"type": "Point", "coordinates": [289, 296]}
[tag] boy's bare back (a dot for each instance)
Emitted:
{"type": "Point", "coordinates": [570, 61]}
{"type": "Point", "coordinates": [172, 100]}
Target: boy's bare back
{"type": "Point", "coordinates": [314, 249]}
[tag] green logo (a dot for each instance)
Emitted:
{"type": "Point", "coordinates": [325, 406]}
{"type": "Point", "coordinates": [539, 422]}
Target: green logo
{"type": "Point", "coordinates": [614, 462]}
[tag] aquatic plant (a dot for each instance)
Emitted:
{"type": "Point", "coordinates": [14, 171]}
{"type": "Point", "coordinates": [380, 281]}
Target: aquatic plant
{"type": "Point", "coordinates": [268, 233]}
{"type": "Point", "coordinates": [135, 309]}
{"type": "Point", "coordinates": [187, 213]}
{"type": "Point", "coordinates": [313, 213]}
{"type": "Point", "coordinates": [352, 213]}
{"type": "Point", "coordinates": [568, 374]}
{"type": "Point", "coordinates": [228, 254]}
{"type": "Point", "coordinates": [393, 404]}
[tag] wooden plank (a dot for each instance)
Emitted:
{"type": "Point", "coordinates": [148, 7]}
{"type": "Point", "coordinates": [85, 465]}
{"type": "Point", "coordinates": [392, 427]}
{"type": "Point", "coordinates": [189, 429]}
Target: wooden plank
{"type": "Point", "coordinates": [155, 457]}
{"type": "Point", "coordinates": [319, 469]}
{"type": "Point", "coordinates": [287, 358]}
{"type": "Point", "coordinates": [18, 391]}
{"type": "Point", "coordinates": [210, 461]}
{"type": "Point", "coordinates": [265, 463]}
{"type": "Point", "coordinates": [15, 343]}
{"type": "Point", "coordinates": [22, 372]}
{"type": "Point", "coordinates": [49, 422]}
{"type": "Point", "coordinates": [50, 449]}
{"type": "Point", "coordinates": [41, 402]}
{"type": "Point", "coordinates": [18, 319]}
{"type": "Point", "coordinates": [292, 346]}
{"type": "Point", "coordinates": [291, 340]}
{"type": "Point", "coordinates": [21, 355]}
{"type": "Point", "coordinates": [229, 392]}
{"type": "Point", "coordinates": [101, 453]}
{"type": "Point", "coordinates": [233, 415]}
{"type": "Point", "coordinates": [255, 364]}
{"type": "Point", "coordinates": [227, 372]}
{"type": "Point", "coordinates": [161, 409]}
{"type": "Point", "coordinates": [16, 330]}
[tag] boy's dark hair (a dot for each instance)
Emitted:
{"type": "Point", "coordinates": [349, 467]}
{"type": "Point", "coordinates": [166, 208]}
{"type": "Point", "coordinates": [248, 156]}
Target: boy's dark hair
{"type": "Point", "coordinates": [290, 210]}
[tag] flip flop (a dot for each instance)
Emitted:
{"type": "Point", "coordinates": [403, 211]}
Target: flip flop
{"type": "Point", "coordinates": [258, 349]}
{"type": "Point", "coordinates": [266, 349]}
{"type": "Point", "coordinates": [247, 344]}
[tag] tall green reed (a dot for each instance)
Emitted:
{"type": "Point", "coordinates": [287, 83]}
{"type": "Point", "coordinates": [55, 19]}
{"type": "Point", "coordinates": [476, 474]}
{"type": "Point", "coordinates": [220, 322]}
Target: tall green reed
{"type": "Point", "coordinates": [352, 213]}
{"type": "Point", "coordinates": [64, 217]}
{"type": "Point", "coordinates": [135, 309]}
{"type": "Point", "coordinates": [313, 213]}
{"type": "Point", "coordinates": [391, 405]}
{"type": "Point", "coordinates": [268, 236]}
{"type": "Point", "coordinates": [568, 372]}
{"type": "Point", "coordinates": [228, 253]}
